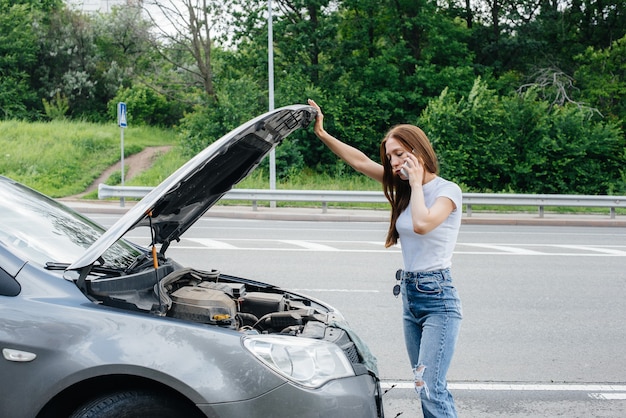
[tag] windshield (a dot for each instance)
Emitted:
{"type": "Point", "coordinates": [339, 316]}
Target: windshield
{"type": "Point", "coordinates": [41, 230]}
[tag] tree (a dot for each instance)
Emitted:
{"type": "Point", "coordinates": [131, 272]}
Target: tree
{"type": "Point", "coordinates": [18, 57]}
{"type": "Point", "coordinates": [187, 27]}
{"type": "Point", "coordinates": [521, 143]}
{"type": "Point", "coordinates": [388, 59]}
{"type": "Point", "coordinates": [601, 78]}
{"type": "Point", "coordinates": [88, 58]}
{"type": "Point", "coordinates": [599, 23]}
{"type": "Point", "coordinates": [470, 137]}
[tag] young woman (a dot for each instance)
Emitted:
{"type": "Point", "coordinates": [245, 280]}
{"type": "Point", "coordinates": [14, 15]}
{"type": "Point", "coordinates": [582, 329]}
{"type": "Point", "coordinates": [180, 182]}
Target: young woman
{"type": "Point", "coordinates": [425, 217]}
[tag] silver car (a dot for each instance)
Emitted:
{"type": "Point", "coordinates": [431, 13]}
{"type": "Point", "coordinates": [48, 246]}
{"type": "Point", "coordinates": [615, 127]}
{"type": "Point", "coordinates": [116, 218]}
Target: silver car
{"type": "Point", "coordinates": [93, 325]}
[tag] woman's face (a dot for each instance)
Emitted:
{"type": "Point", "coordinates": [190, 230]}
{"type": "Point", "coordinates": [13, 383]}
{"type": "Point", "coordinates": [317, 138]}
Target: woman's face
{"type": "Point", "coordinates": [397, 154]}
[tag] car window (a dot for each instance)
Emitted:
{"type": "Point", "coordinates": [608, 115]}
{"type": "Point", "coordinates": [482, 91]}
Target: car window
{"type": "Point", "coordinates": [41, 231]}
{"type": "Point", "coordinates": [8, 285]}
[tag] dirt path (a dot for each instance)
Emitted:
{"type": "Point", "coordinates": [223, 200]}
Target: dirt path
{"type": "Point", "coordinates": [135, 164]}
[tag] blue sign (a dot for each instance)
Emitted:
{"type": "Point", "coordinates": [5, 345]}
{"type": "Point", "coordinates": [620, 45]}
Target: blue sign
{"type": "Point", "coordinates": [121, 114]}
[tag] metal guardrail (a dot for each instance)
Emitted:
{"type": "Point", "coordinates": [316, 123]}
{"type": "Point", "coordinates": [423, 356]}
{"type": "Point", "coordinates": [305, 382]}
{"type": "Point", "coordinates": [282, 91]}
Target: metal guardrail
{"type": "Point", "coordinates": [349, 196]}
{"type": "Point", "coordinates": [543, 200]}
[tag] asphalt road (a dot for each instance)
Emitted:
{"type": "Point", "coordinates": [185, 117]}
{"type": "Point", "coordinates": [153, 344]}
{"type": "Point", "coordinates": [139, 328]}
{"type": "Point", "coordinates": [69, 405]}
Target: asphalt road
{"type": "Point", "coordinates": [544, 306]}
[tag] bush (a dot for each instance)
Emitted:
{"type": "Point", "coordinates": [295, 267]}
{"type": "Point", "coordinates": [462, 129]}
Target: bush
{"type": "Point", "coordinates": [523, 144]}
{"type": "Point", "coordinates": [146, 107]}
{"type": "Point", "coordinates": [239, 100]}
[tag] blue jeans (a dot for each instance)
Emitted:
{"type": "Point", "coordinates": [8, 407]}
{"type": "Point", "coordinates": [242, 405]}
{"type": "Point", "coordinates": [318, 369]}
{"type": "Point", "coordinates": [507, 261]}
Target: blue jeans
{"type": "Point", "coordinates": [432, 318]}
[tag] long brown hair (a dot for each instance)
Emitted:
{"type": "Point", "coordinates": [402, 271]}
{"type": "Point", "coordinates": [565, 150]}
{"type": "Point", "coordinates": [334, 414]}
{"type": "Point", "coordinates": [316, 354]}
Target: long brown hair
{"type": "Point", "coordinates": [398, 191]}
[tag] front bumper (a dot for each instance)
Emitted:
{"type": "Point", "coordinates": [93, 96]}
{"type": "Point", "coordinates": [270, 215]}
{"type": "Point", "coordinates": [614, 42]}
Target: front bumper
{"type": "Point", "coordinates": [358, 396]}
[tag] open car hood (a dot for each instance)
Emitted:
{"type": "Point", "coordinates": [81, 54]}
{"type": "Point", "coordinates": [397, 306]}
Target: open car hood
{"type": "Point", "coordinates": [181, 199]}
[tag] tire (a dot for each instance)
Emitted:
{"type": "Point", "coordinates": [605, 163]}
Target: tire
{"type": "Point", "coordinates": [135, 404]}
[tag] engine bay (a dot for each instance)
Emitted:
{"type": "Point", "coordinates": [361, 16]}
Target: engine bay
{"type": "Point", "coordinates": [213, 298]}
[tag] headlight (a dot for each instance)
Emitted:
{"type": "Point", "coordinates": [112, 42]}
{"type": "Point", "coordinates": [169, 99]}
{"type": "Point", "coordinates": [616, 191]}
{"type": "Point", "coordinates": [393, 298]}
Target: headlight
{"type": "Point", "coordinates": [305, 361]}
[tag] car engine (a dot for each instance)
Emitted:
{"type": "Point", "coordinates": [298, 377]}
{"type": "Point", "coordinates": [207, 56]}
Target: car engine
{"type": "Point", "coordinates": [213, 298]}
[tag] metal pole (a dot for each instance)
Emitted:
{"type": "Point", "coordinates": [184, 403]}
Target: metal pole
{"type": "Point", "coordinates": [270, 53]}
{"type": "Point", "coordinates": [122, 160]}
{"type": "Point", "coordinates": [270, 63]}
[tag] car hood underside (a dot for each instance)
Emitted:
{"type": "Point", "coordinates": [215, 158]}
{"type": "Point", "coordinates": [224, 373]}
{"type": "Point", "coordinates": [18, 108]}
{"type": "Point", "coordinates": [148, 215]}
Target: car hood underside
{"type": "Point", "coordinates": [181, 199]}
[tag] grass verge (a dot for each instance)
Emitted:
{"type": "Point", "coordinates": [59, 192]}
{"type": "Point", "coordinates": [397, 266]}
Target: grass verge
{"type": "Point", "coordinates": [62, 158]}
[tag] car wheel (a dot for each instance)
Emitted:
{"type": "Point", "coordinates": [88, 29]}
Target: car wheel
{"type": "Point", "coordinates": [135, 404]}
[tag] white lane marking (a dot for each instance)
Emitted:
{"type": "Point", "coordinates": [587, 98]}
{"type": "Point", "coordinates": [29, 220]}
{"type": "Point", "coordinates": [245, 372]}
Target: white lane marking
{"type": "Point", "coordinates": [308, 245]}
{"type": "Point", "coordinates": [387, 384]}
{"type": "Point", "coordinates": [603, 250]}
{"type": "Point", "coordinates": [213, 244]}
{"type": "Point", "coordinates": [377, 243]}
{"type": "Point", "coordinates": [338, 290]}
{"type": "Point", "coordinates": [505, 249]}
{"type": "Point", "coordinates": [183, 247]}
{"type": "Point", "coordinates": [321, 245]}
{"type": "Point", "coordinates": [537, 254]}
{"type": "Point", "coordinates": [108, 220]}
{"type": "Point", "coordinates": [609, 396]}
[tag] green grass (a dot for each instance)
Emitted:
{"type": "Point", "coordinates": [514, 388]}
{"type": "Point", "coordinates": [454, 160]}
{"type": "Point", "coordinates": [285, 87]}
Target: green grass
{"type": "Point", "coordinates": [163, 166]}
{"type": "Point", "coordinates": [62, 158]}
{"type": "Point", "coordinates": [572, 210]}
{"type": "Point", "coordinates": [307, 180]}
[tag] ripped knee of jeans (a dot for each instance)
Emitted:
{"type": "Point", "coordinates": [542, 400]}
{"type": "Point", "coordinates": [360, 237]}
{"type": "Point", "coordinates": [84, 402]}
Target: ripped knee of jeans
{"type": "Point", "coordinates": [420, 384]}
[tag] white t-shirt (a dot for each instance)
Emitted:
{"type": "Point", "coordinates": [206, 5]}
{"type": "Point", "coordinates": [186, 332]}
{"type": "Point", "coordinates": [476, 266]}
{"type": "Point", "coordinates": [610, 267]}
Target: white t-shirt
{"type": "Point", "coordinates": [432, 251]}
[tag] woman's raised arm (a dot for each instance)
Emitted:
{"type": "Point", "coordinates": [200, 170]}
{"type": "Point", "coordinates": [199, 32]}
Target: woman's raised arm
{"type": "Point", "coordinates": [351, 155]}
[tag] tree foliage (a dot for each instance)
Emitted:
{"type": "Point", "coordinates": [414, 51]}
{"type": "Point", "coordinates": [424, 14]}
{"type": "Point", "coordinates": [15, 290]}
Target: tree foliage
{"type": "Point", "coordinates": [517, 95]}
{"type": "Point", "coordinates": [18, 57]}
{"type": "Point", "coordinates": [523, 143]}
{"type": "Point", "coordinates": [601, 78]}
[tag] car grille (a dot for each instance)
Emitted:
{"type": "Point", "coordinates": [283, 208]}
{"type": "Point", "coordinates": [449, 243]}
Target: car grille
{"type": "Point", "coordinates": [352, 353]}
